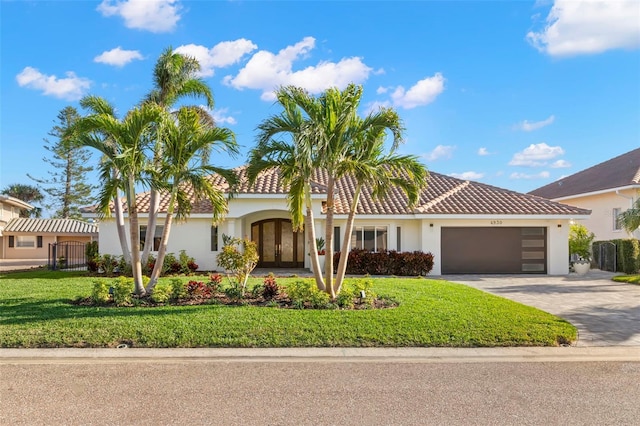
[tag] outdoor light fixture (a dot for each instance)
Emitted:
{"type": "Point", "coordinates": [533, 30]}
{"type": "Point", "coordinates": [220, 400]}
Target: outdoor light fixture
{"type": "Point", "coordinates": [363, 294]}
{"type": "Point", "coordinates": [431, 225]}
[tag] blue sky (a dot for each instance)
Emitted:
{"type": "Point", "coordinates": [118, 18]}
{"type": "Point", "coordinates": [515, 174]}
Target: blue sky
{"type": "Point", "coordinates": [515, 94]}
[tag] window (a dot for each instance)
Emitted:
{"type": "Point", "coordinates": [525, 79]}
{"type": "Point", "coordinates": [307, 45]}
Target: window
{"type": "Point", "coordinates": [156, 238]}
{"type": "Point", "coordinates": [39, 241]}
{"type": "Point", "coordinates": [336, 239]}
{"type": "Point", "coordinates": [214, 238]}
{"type": "Point", "coordinates": [398, 238]}
{"type": "Point", "coordinates": [615, 215]}
{"type": "Point", "coordinates": [371, 238]}
{"type": "Point", "coordinates": [25, 241]}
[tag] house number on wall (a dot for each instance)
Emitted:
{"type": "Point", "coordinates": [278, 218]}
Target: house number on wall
{"type": "Point", "coordinates": [496, 222]}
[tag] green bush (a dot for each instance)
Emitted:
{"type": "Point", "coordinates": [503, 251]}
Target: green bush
{"type": "Point", "coordinates": [352, 291]}
{"type": "Point", "coordinates": [100, 293]}
{"type": "Point", "coordinates": [305, 293]}
{"type": "Point", "coordinates": [161, 293]}
{"type": "Point", "coordinates": [122, 290]}
{"type": "Point", "coordinates": [580, 240]}
{"type": "Point", "coordinates": [178, 289]}
{"type": "Point", "coordinates": [628, 256]}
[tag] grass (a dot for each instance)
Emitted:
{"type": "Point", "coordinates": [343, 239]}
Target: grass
{"type": "Point", "coordinates": [35, 312]}
{"type": "Point", "coordinates": [633, 279]}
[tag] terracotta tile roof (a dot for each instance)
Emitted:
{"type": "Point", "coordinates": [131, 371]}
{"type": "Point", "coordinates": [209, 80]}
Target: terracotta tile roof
{"type": "Point", "coordinates": [50, 226]}
{"type": "Point", "coordinates": [444, 195]}
{"type": "Point", "coordinates": [621, 171]}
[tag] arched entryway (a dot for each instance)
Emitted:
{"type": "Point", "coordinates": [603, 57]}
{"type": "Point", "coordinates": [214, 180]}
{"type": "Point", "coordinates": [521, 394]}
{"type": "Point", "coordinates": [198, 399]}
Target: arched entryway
{"type": "Point", "coordinates": [278, 245]}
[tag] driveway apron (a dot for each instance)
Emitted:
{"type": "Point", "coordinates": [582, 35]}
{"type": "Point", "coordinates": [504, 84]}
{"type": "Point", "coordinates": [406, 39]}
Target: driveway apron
{"type": "Point", "coordinates": [606, 313]}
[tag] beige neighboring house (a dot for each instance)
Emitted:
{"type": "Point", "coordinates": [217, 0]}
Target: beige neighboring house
{"type": "Point", "coordinates": [9, 209]}
{"type": "Point", "coordinates": [468, 226]}
{"type": "Point", "coordinates": [26, 238]}
{"type": "Point", "coordinates": [607, 189]}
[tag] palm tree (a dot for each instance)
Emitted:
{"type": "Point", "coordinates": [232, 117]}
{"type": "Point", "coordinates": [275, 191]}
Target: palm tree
{"type": "Point", "coordinates": [124, 144]}
{"type": "Point", "coordinates": [28, 194]}
{"type": "Point", "coordinates": [174, 77]}
{"type": "Point", "coordinates": [368, 164]}
{"type": "Point", "coordinates": [630, 218]}
{"type": "Point", "coordinates": [186, 140]}
{"type": "Point", "coordinates": [295, 158]}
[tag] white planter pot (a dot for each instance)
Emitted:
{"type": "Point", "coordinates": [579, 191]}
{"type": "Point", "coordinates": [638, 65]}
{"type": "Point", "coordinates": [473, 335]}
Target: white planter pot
{"type": "Point", "coordinates": [581, 268]}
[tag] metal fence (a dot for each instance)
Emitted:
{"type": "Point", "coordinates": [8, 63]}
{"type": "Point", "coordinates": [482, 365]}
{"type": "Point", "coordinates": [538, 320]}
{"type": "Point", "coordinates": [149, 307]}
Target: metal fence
{"type": "Point", "coordinates": [67, 255]}
{"type": "Point", "coordinates": [607, 256]}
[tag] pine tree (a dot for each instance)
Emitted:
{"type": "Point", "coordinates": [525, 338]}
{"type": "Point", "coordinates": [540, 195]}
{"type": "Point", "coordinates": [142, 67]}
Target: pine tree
{"type": "Point", "coordinates": [67, 184]}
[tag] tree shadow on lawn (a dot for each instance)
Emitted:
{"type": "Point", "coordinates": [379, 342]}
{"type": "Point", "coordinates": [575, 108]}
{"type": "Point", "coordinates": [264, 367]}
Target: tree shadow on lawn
{"type": "Point", "coordinates": [21, 311]}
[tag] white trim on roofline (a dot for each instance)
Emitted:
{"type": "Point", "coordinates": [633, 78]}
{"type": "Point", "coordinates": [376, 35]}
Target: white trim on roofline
{"type": "Point", "coordinates": [602, 191]}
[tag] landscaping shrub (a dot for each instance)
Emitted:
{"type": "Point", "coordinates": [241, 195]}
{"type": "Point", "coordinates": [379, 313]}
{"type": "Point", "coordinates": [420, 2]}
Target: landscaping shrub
{"type": "Point", "coordinates": [362, 262]}
{"type": "Point", "coordinates": [122, 290]}
{"type": "Point", "coordinates": [100, 293]}
{"type": "Point", "coordinates": [162, 293]}
{"type": "Point", "coordinates": [270, 288]}
{"type": "Point", "coordinates": [92, 255]}
{"type": "Point", "coordinates": [214, 282]}
{"type": "Point", "coordinates": [178, 289]}
{"type": "Point", "coordinates": [198, 290]}
{"type": "Point", "coordinates": [305, 293]}
{"type": "Point", "coordinates": [352, 291]}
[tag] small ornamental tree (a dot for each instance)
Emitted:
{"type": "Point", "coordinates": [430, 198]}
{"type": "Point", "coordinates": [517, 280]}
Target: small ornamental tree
{"type": "Point", "coordinates": [580, 240]}
{"type": "Point", "coordinates": [238, 257]}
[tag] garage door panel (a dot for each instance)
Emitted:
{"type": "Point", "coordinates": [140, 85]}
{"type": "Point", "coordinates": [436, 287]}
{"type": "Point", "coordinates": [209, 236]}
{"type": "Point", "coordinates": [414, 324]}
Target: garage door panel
{"type": "Point", "coordinates": [507, 250]}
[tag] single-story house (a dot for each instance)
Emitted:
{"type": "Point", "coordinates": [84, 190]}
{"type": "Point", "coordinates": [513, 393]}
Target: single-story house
{"type": "Point", "coordinates": [9, 209]}
{"type": "Point", "coordinates": [607, 189]}
{"type": "Point", "coordinates": [468, 226]}
{"type": "Point", "coordinates": [28, 238]}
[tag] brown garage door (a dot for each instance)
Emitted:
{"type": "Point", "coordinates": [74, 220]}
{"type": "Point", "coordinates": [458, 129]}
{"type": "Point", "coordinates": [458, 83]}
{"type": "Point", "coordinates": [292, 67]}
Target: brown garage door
{"type": "Point", "coordinates": [494, 250]}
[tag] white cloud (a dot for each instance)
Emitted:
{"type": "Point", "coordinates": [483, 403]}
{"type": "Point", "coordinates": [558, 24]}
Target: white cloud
{"type": "Point", "coordinates": [483, 151]}
{"type": "Point", "coordinates": [373, 107]}
{"type": "Point", "coordinates": [221, 116]}
{"type": "Point", "coordinates": [531, 126]}
{"type": "Point", "coordinates": [157, 16]}
{"type": "Point", "coordinates": [423, 92]}
{"type": "Point", "coordinates": [440, 151]}
{"type": "Point", "coordinates": [266, 71]}
{"type": "Point", "coordinates": [221, 55]}
{"type": "Point", "coordinates": [70, 88]}
{"type": "Point", "coordinates": [470, 175]}
{"type": "Point", "coordinates": [536, 155]}
{"type": "Point", "coordinates": [117, 57]}
{"type": "Point", "coordinates": [575, 27]}
{"type": "Point", "coordinates": [560, 164]}
{"type": "Point", "coordinates": [380, 90]}
{"type": "Point", "coordinates": [541, 175]}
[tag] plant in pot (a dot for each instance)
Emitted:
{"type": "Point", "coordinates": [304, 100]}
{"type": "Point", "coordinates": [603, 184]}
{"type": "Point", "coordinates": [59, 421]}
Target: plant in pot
{"type": "Point", "coordinates": [321, 252]}
{"type": "Point", "coordinates": [580, 240]}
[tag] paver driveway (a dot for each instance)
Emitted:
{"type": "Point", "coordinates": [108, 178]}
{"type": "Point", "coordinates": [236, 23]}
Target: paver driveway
{"type": "Point", "coordinates": [606, 313]}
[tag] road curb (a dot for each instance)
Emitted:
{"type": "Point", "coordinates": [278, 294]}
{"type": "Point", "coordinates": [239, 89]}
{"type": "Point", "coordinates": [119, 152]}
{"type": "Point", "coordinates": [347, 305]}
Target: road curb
{"type": "Point", "coordinates": [414, 355]}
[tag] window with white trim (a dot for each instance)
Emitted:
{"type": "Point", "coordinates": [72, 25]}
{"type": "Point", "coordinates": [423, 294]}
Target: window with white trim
{"type": "Point", "coordinates": [371, 238]}
{"type": "Point", "coordinates": [156, 238]}
{"type": "Point", "coordinates": [615, 215]}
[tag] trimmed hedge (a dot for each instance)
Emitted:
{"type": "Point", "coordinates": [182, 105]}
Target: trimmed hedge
{"type": "Point", "coordinates": [362, 262]}
{"type": "Point", "coordinates": [627, 254]}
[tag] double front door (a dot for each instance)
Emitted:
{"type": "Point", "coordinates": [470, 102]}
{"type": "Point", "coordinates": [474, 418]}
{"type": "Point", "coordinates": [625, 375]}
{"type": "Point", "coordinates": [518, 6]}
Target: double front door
{"type": "Point", "coordinates": [278, 245]}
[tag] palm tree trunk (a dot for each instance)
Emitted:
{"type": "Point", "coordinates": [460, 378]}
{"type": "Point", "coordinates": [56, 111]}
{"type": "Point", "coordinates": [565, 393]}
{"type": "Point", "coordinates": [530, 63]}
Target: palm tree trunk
{"type": "Point", "coordinates": [346, 246]}
{"type": "Point", "coordinates": [122, 235]}
{"type": "Point", "coordinates": [311, 241]}
{"type": "Point", "coordinates": [328, 265]}
{"type": "Point", "coordinates": [162, 250]}
{"type": "Point", "coordinates": [154, 206]}
{"type": "Point", "coordinates": [134, 233]}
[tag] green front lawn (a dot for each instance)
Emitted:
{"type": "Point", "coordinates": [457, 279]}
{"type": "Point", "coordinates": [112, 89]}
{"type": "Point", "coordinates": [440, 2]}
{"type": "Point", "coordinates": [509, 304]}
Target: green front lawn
{"type": "Point", "coordinates": [35, 311]}
{"type": "Point", "coordinates": [633, 279]}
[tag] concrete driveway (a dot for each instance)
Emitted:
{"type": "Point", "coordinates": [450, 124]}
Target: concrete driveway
{"type": "Point", "coordinates": [606, 313]}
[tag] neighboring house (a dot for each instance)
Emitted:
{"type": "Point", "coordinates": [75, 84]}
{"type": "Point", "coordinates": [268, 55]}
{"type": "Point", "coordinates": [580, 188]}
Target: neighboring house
{"type": "Point", "coordinates": [25, 238]}
{"type": "Point", "coordinates": [469, 227]}
{"type": "Point", "coordinates": [9, 208]}
{"type": "Point", "coordinates": [607, 189]}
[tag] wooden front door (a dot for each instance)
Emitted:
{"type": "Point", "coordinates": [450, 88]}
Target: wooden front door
{"type": "Point", "coordinates": [278, 245]}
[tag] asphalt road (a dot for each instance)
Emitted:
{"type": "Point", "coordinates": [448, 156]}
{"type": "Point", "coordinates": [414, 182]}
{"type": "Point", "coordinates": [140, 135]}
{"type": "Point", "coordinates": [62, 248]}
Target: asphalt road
{"type": "Point", "coordinates": [299, 391]}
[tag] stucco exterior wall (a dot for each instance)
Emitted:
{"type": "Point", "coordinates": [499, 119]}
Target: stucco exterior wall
{"type": "Point", "coordinates": [28, 252]}
{"type": "Point", "coordinates": [601, 221]}
{"type": "Point", "coordinates": [424, 234]}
